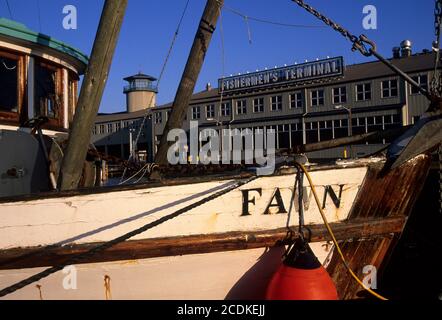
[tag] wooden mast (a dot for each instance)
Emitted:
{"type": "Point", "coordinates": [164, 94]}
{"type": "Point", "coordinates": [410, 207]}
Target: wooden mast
{"type": "Point", "coordinates": [92, 92]}
{"type": "Point", "coordinates": [191, 72]}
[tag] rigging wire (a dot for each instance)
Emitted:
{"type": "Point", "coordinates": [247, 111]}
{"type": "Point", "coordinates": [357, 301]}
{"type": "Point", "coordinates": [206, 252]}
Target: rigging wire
{"type": "Point", "coordinates": [9, 9]}
{"type": "Point", "coordinates": [332, 235]}
{"type": "Point", "coordinates": [267, 21]}
{"type": "Point", "coordinates": [39, 15]}
{"type": "Point", "coordinates": [163, 69]}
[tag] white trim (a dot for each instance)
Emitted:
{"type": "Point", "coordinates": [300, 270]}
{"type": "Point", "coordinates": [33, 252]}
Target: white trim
{"type": "Point", "coordinates": [37, 52]}
{"type": "Point", "coordinates": [65, 84]}
{"type": "Point", "coordinates": [49, 133]}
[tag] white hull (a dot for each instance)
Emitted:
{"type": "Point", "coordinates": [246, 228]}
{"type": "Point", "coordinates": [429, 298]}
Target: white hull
{"type": "Point", "coordinates": [212, 276]}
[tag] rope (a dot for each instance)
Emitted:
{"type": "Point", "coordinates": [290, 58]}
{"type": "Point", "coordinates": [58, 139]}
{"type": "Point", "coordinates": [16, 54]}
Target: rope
{"type": "Point", "coordinates": [332, 235]}
{"type": "Point", "coordinates": [163, 69]}
{"type": "Point", "coordinates": [9, 9]}
{"type": "Point", "coordinates": [81, 257]}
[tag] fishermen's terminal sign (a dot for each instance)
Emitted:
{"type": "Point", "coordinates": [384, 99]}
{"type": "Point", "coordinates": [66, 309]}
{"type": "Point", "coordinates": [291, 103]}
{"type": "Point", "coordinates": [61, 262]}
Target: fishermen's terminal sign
{"type": "Point", "coordinates": [297, 73]}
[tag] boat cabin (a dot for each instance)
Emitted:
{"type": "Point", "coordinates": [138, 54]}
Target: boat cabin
{"type": "Point", "coordinates": [38, 77]}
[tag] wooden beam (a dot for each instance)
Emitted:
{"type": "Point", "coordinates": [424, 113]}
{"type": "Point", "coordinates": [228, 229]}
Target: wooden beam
{"type": "Point", "coordinates": [91, 92]}
{"type": "Point", "coordinates": [366, 137]}
{"type": "Point", "coordinates": [191, 72]}
{"type": "Point", "coordinates": [176, 246]}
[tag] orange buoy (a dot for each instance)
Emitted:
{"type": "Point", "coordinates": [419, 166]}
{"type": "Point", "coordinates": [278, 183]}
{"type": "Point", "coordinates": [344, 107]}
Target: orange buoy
{"type": "Point", "coordinates": [301, 277]}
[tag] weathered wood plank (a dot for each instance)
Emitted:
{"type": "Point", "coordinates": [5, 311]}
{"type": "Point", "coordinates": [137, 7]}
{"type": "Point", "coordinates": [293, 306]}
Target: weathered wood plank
{"type": "Point", "coordinates": [381, 197]}
{"type": "Point", "coordinates": [143, 249]}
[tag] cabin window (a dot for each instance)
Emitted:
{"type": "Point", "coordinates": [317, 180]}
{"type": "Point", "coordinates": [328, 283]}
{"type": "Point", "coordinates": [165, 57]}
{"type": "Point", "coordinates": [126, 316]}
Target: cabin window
{"type": "Point", "coordinates": [47, 99]}
{"type": "Point", "coordinates": [9, 83]}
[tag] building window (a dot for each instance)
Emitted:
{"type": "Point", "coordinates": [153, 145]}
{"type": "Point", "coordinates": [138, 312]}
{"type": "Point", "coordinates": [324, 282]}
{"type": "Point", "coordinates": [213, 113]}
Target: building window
{"type": "Point", "coordinates": [363, 92]}
{"type": "Point", "coordinates": [101, 129]}
{"type": "Point", "coordinates": [46, 97]}
{"type": "Point", "coordinates": [276, 103]}
{"type": "Point", "coordinates": [196, 113]}
{"type": "Point", "coordinates": [317, 98]}
{"type": "Point", "coordinates": [389, 88]}
{"type": "Point", "coordinates": [312, 132]}
{"type": "Point", "coordinates": [158, 118]}
{"type": "Point", "coordinates": [258, 105]}
{"type": "Point", "coordinates": [210, 111]}
{"type": "Point", "coordinates": [241, 107]}
{"type": "Point", "coordinates": [296, 100]}
{"type": "Point", "coordinates": [225, 109]}
{"type": "Point", "coordinates": [94, 130]}
{"type": "Point", "coordinates": [117, 126]}
{"type": "Point", "coordinates": [340, 95]}
{"type": "Point", "coordinates": [110, 128]}
{"type": "Point", "coordinates": [9, 79]}
{"type": "Point", "coordinates": [422, 81]}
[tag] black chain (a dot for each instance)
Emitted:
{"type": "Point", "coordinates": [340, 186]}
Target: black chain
{"type": "Point", "coordinates": [81, 257]}
{"type": "Point", "coordinates": [438, 19]}
{"type": "Point", "coordinates": [358, 42]}
{"type": "Point", "coordinates": [366, 46]}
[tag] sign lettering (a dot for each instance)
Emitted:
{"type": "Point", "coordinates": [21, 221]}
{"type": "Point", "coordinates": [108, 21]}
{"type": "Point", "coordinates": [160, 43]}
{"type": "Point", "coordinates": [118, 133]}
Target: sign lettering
{"type": "Point", "coordinates": [292, 74]}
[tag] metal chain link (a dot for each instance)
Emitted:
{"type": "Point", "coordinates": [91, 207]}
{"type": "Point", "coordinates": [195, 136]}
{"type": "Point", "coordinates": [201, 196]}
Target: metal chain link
{"type": "Point", "coordinates": [368, 48]}
{"type": "Point", "coordinates": [358, 42]}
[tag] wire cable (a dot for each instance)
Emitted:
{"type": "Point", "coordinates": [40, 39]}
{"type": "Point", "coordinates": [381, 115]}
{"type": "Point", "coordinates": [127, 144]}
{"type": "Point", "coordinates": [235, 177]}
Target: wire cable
{"type": "Point", "coordinates": [266, 21]}
{"type": "Point", "coordinates": [332, 235]}
{"type": "Point", "coordinates": [39, 15]}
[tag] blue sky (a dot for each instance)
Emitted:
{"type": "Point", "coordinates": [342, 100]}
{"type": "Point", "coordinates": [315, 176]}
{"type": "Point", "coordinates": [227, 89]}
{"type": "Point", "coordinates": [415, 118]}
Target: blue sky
{"type": "Point", "coordinates": [149, 27]}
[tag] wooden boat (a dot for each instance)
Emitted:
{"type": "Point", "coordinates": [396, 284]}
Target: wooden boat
{"type": "Point", "coordinates": [217, 249]}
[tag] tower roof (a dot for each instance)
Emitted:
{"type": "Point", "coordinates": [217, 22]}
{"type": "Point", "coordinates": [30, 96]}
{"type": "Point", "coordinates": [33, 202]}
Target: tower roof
{"type": "Point", "coordinates": [140, 76]}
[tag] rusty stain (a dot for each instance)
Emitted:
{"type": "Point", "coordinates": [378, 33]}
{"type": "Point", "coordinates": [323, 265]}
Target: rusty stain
{"type": "Point", "coordinates": [212, 221]}
{"type": "Point", "coordinates": [130, 262]}
{"type": "Point", "coordinates": [38, 286]}
{"type": "Point", "coordinates": [107, 287]}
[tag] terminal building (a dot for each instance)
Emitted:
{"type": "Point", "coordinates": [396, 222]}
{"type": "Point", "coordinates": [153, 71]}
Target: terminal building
{"type": "Point", "coordinates": [303, 103]}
